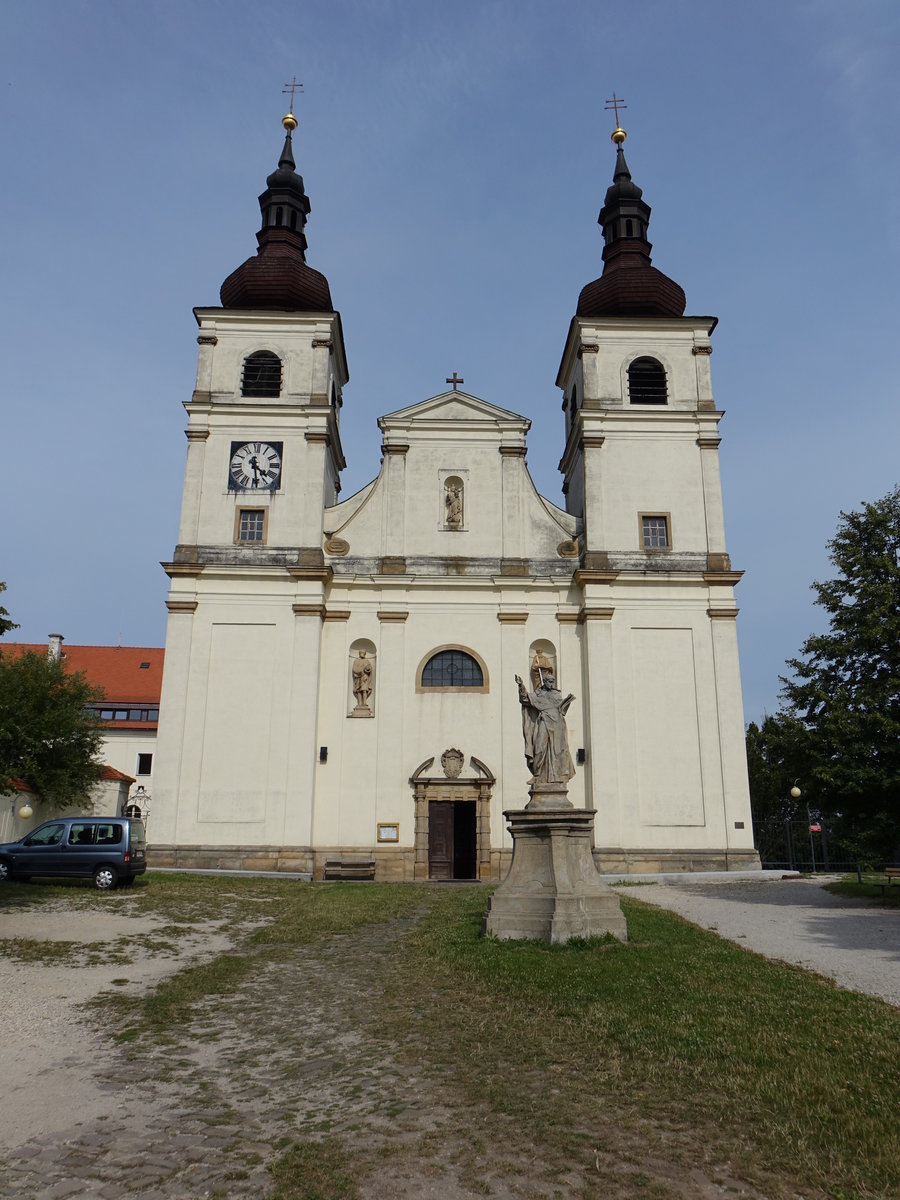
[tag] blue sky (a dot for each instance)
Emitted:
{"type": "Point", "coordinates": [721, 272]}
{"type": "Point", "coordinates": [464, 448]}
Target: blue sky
{"type": "Point", "coordinates": [456, 156]}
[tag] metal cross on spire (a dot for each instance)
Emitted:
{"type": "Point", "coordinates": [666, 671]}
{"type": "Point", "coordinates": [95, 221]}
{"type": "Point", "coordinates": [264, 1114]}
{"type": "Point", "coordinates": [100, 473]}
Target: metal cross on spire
{"type": "Point", "coordinates": [292, 87]}
{"type": "Point", "coordinates": [615, 104]}
{"type": "Point", "coordinates": [455, 379]}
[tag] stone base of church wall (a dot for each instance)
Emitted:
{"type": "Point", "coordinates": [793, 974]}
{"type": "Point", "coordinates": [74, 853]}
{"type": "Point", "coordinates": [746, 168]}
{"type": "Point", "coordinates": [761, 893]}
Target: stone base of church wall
{"type": "Point", "coordinates": [614, 861]}
{"type": "Point", "coordinates": [392, 864]}
{"type": "Point", "coordinates": [396, 864]}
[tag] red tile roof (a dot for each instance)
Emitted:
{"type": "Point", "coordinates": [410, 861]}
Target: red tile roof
{"type": "Point", "coordinates": [112, 773]}
{"type": "Point", "coordinates": [115, 669]}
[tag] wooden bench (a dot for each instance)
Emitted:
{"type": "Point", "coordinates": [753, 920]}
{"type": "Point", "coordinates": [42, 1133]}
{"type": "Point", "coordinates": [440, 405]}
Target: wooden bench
{"type": "Point", "coordinates": [891, 875]}
{"type": "Point", "coordinates": [349, 868]}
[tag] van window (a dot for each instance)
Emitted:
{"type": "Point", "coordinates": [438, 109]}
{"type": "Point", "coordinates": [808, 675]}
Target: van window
{"type": "Point", "coordinates": [81, 834]}
{"type": "Point", "coordinates": [137, 833]}
{"type": "Point", "coordinates": [47, 835]}
{"type": "Point", "coordinates": [108, 835]}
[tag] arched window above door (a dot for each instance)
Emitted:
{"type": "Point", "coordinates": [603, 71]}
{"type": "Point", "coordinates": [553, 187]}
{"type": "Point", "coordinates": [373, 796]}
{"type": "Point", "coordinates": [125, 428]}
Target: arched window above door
{"type": "Point", "coordinates": [452, 669]}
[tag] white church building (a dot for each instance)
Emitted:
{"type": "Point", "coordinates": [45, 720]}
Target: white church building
{"type": "Point", "coordinates": [339, 674]}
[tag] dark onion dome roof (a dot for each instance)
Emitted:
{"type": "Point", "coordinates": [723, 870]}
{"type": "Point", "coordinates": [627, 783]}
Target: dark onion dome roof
{"type": "Point", "coordinates": [630, 285]}
{"type": "Point", "coordinates": [278, 276]}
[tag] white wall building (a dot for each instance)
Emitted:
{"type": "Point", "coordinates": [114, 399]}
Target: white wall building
{"type": "Point", "coordinates": [339, 675]}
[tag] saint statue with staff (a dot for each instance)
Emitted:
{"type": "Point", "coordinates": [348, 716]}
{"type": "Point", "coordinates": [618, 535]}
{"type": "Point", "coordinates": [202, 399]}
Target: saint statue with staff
{"type": "Point", "coordinates": [544, 727]}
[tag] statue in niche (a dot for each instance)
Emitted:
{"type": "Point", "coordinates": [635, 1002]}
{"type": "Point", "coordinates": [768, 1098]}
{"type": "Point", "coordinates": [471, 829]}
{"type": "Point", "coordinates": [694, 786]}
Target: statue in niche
{"type": "Point", "coordinates": [544, 728]}
{"type": "Point", "coordinates": [540, 665]}
{"type": "Point", "coordinates": [453, 498]}
{"type": "Point", "coordinates": [362, 672]}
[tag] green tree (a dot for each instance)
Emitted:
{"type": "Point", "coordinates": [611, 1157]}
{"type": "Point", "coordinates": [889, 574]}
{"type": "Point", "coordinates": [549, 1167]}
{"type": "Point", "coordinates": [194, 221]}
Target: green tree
{"type": "Point", "coordinates": [5, 623]}
{"type": "Point", "coordinates": [780, 753]}
{"type": "Point", "coordinates": [49, 738]}
{"type": "Point", "coordinates": [845, 688]}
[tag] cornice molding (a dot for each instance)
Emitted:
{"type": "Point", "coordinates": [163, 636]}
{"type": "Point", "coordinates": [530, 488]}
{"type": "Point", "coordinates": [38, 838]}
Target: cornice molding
{"type": "Point", "coordinates": [596, 614]}
{"type": "Point", "coordinates": [181, 606]}
{"type": "Point", "coordinates": [512, 618]}
{"type": "Point", "coordinates": [174, 569]}
{"type": "Point", "coordinates": [309, 610]}
{"type": "Point", "coordinates": [722, 614]}
{"type": "Point", "coordinates": [388, 614]}
{"type": "Point", "coordinates": [314, 574]}
{"type": "Point", "coordinates": [723, 578]}
{"type": "Point", "coordinates": [586, 575]}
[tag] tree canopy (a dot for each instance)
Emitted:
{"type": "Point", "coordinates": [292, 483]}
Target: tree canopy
{"type": "Point", "coordinates": [48, 737]}
{"type": "Point", "coordinates": [845, 686]}
{"type": "Point", "coordinates": [6, 624]}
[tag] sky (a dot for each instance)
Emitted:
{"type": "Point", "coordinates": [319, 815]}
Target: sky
{"type": "Point", "coordinates": [456, 156]}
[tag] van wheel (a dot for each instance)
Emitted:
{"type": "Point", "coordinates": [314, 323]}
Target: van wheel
{"type": "Point", "coordinates": [5, 872]}
{"type": "Point", "coordinates": [105, 878]}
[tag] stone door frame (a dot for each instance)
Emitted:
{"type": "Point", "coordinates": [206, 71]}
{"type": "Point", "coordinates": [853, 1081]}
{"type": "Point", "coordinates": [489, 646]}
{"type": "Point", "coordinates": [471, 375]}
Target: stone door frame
{"type": "Point", "coordinates": [442, 789]}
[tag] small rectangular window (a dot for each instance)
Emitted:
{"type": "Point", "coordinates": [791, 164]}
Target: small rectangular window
{"type": "Point", "coordinates": [250, 525]}
{"type": "Point", "coordinates": [144, 764]}
{"type": "Point", "coordinates": [152, 714]}
{"type": "Point", "coordinates": [655, 532]}
{"type": "Point", "coordinates": [107, 714]}
{"type": "Point", "coordinates": [121, 714]}
{"type": "Point", "coordinates": [136, 714]}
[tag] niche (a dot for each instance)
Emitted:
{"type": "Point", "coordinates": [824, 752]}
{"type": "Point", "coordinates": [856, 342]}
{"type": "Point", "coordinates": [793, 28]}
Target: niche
{"type": "Point", "coordinates": [541, 658]}
{"type": "Point", "coordinates": [361, 673]}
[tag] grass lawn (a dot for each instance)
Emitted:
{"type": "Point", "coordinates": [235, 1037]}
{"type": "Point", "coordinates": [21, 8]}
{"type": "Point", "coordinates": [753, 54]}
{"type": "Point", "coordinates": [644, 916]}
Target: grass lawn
{"type": "Point", "coordinates": [676, 1051]}
{"type": "Point", "coordinates": [870, 888]}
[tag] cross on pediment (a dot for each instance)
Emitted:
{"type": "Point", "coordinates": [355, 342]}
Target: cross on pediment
{"type": "Point", "coordinates": [454, 379]}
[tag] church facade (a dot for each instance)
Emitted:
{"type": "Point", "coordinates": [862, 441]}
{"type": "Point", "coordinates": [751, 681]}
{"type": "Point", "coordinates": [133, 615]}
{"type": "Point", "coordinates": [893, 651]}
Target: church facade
{"type": "Point", "coordinates": [339, 681]}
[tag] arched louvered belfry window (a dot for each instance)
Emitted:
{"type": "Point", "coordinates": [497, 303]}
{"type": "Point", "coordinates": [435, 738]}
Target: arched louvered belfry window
{"type": "Point", "coordinates": [647, 382]}
{"type": "Point", "coordinates": [452, 669]}
{"type": "Point", "coordinates": [261, 375]}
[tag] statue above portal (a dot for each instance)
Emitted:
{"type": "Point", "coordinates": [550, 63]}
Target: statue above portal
{"type": "Point", "coordinates": [544, 726]}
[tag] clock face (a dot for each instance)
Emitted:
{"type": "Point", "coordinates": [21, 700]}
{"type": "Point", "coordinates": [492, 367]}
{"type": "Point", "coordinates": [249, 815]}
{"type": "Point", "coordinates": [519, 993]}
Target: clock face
{"type": "Point", "coordinates": [255, 466]}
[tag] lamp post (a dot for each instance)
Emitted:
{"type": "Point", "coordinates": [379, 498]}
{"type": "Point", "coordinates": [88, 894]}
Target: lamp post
{"type": "Point", "coordinates": [795, 795]}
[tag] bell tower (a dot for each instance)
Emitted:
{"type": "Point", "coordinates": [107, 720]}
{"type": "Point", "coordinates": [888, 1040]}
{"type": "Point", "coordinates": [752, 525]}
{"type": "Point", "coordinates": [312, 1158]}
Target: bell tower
{"type": "Point", "coordinates": [237, 733]}
{"type": "Point", "coordinates": [667, 770]}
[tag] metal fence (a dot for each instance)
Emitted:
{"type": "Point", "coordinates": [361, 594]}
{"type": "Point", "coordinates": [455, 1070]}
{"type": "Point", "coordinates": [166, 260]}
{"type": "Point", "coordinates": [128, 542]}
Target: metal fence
{"type": "Point", "coordinates": [799, 844]}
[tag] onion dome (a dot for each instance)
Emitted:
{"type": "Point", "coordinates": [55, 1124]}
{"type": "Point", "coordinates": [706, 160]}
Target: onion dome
{"type": "Point", "coordinates": [629, 286]}
{"type": "Point", "coordinates": [278, 276]}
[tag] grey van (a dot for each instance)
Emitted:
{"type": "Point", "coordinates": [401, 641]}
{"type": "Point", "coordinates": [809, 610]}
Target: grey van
{"type": "Point", "coordinates": [109, 850]}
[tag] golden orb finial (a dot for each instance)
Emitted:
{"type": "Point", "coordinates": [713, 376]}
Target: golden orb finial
{"type": "Point", "coordinates": [619, 135]}
{"type": "Point", "coordinates": [290, 122]}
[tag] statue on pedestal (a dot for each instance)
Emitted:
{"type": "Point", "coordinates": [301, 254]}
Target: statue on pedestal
{"type": "Point", "coordinates": [544, 726]}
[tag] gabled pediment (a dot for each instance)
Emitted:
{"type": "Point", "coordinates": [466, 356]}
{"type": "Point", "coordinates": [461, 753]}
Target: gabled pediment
{"type": "Point", "coordinates": [453, 408]}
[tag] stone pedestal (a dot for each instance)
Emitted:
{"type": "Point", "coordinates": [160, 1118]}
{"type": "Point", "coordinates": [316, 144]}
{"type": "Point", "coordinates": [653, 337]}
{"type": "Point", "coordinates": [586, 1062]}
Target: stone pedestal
{"type": "Point", "coordinates": [553, 892]}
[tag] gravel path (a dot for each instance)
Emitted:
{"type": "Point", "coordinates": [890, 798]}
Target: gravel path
{"type": "Point", "coordinates": [854, 942]}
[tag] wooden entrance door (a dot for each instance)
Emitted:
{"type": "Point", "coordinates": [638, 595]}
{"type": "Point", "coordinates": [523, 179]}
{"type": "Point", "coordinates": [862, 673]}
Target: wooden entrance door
{"type": "Point", "coordinates": [440, 839]}
{"type": "Point", "coordinates": [452, 836]}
